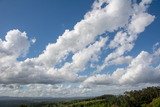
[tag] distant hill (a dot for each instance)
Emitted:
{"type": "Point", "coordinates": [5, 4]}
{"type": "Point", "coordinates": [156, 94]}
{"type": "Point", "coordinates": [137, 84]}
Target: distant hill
{"type": "Point", "coordinates": [6, 101]}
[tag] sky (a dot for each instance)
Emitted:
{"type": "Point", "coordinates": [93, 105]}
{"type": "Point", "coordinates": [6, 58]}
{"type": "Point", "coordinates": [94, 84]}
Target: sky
{"type": "Point", "coordinates": [59, 48]}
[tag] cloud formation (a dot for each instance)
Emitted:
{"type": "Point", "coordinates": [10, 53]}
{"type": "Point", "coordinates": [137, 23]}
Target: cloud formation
{"type": "Point", "coordinates": [139, 70]}
{"type": "Point", "coordinates": [16, 44]}
{"type": "Point", "coordinates": [84, 46]}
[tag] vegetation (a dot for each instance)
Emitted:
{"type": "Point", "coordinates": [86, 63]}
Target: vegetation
{"type": "Point", "coordinates": [148, 97]}
{"type": "Point", "coordinates": [154, 103]}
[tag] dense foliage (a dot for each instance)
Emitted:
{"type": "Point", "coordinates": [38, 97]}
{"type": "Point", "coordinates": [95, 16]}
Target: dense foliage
{"type": "Point", "coordinates": [148, 97]}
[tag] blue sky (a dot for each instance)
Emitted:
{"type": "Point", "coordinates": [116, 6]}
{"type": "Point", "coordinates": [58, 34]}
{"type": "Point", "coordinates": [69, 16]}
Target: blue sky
{"type": "Point", "coordinates": [99, 49]}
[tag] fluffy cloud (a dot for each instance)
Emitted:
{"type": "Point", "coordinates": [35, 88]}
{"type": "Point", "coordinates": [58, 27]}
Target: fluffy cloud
{"type": "Point", "coordinates": [139, 70]}
{"type": "Point", "coordinates": [30, 71]}
{"type": "Point", "coordinates": [139, 22]}
{"type": "Point", "coordinates": [81, 58]}
{"type": "Point", "coordinates": [16, 44]}
{"type": "Point", "coordinates": [95, 22]}
{"type": "Point", "coordinates": [124, 40]}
